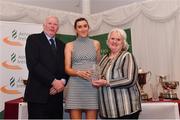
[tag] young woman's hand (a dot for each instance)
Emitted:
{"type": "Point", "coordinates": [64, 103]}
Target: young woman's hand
{"type": "Point", "coordinates": [84, 74]}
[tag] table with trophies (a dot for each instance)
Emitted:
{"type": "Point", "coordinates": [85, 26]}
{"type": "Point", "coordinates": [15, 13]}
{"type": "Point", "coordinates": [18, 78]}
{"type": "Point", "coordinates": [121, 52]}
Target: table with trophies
{"type": "Point", "coordinates": [162, 105]}
{"type": "Point", "coordinates": [167, 94]}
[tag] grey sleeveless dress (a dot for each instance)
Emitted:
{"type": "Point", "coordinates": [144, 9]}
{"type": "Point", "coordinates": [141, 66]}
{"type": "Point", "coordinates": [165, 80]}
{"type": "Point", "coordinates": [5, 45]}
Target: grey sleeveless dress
{"type": "Point", "coordinates": [79, 93]}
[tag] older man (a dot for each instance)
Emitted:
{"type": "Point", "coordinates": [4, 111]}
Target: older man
{"type": "Point", "coordinates": [47, 78]}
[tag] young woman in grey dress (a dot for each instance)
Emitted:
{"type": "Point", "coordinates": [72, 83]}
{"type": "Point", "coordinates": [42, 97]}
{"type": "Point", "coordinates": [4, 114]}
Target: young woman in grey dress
{"type": "Point", "coordinates": [80, 55]}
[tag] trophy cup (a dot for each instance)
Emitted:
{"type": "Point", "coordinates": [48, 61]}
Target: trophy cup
{"type": "Point", "coordinates": [169, 88]}
{"type": "Point", "coordinates": [95, 72]}
{"type": "Point", "coordinates": [142, 81]}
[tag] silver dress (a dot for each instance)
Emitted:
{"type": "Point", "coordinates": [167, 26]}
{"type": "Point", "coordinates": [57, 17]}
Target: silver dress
{"type": "Point", "coordinates": [80, 94]}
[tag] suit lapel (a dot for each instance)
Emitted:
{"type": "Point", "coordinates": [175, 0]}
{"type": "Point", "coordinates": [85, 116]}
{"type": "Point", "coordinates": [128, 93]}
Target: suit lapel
{"type": "Point", "coordinates": [47, 44]}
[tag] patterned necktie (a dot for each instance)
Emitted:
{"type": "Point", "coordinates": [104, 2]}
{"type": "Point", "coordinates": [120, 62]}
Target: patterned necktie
{"type": "Point", "coordinates": [53, 45]}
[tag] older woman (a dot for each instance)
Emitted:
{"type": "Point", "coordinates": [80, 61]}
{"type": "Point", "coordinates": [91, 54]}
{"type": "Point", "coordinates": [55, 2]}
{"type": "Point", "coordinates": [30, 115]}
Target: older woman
{"type": "Point", "coordinates": [118, 89]}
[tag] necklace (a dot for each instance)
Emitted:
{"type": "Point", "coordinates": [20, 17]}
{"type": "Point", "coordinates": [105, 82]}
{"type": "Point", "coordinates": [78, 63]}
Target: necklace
{"type": "Point", "coordinates": [114, 56]}
{"type": "Point", "coordinates": [110, 60]}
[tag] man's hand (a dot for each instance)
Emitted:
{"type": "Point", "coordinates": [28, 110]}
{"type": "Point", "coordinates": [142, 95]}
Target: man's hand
{"type": "Point", "coordinates": [58, 85]}
{"type": "Point", "coordinates": [52, 91]}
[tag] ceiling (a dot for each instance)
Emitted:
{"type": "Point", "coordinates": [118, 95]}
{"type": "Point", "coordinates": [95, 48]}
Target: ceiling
{"type": "Point", "coordinates": [76, 5]}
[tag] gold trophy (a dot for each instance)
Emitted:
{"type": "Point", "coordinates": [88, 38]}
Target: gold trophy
{"type": "Point", "coordinates": [142, 81]}
{"type": "Point", "coordinates": [169, 88]}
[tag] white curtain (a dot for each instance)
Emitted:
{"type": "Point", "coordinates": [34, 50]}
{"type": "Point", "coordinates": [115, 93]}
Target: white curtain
{"type": "Point", "coordinates": [155, 29]}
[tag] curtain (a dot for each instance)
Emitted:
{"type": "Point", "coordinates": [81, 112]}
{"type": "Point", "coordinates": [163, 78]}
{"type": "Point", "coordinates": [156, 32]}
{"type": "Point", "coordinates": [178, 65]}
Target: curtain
{"type": "Point", "coordinates": [154, 24]}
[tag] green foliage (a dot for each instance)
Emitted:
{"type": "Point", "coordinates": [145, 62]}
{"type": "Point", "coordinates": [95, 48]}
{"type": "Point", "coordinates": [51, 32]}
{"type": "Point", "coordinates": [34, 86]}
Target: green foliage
{"type": "Point", "coordinates": [66, 38]}
{"type": "Point", "coordinates": [101, 38]}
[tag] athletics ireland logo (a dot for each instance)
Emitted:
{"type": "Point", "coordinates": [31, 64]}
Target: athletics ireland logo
{"type": "Point", "coordinates": [12, 41]}
{"type": "Point", "coordinates": [12, 88]}
{"type": "Point", "coordinates": [12, 64]}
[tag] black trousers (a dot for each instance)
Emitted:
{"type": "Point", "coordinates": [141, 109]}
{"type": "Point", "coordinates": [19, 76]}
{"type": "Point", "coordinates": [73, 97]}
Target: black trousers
{"type": "Point", "coordinates": [49, 110]}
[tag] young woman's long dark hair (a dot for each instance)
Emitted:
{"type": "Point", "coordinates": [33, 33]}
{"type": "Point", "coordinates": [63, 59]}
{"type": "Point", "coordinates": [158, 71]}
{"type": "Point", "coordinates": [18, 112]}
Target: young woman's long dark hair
{"type": "Point", "coordinates": [80, 19]}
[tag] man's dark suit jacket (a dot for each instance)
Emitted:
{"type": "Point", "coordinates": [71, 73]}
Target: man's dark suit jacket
{"type": "Point", "coordinates": [44, 66]}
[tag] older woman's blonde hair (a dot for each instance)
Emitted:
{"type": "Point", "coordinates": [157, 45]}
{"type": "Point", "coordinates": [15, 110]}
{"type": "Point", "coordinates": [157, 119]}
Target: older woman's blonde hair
{"type": "Point", "coordinates": [124, 36]}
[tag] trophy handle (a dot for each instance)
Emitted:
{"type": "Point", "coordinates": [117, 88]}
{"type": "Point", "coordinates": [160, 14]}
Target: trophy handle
{"type": "Point", "coordinates": [150, 74]}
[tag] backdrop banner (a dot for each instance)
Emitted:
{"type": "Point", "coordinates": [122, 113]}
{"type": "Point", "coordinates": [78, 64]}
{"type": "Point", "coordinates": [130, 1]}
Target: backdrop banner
{"type": "Point", "coordinates": [12, 59]}
{"type": "Point", "coordinates": [13, 69]}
